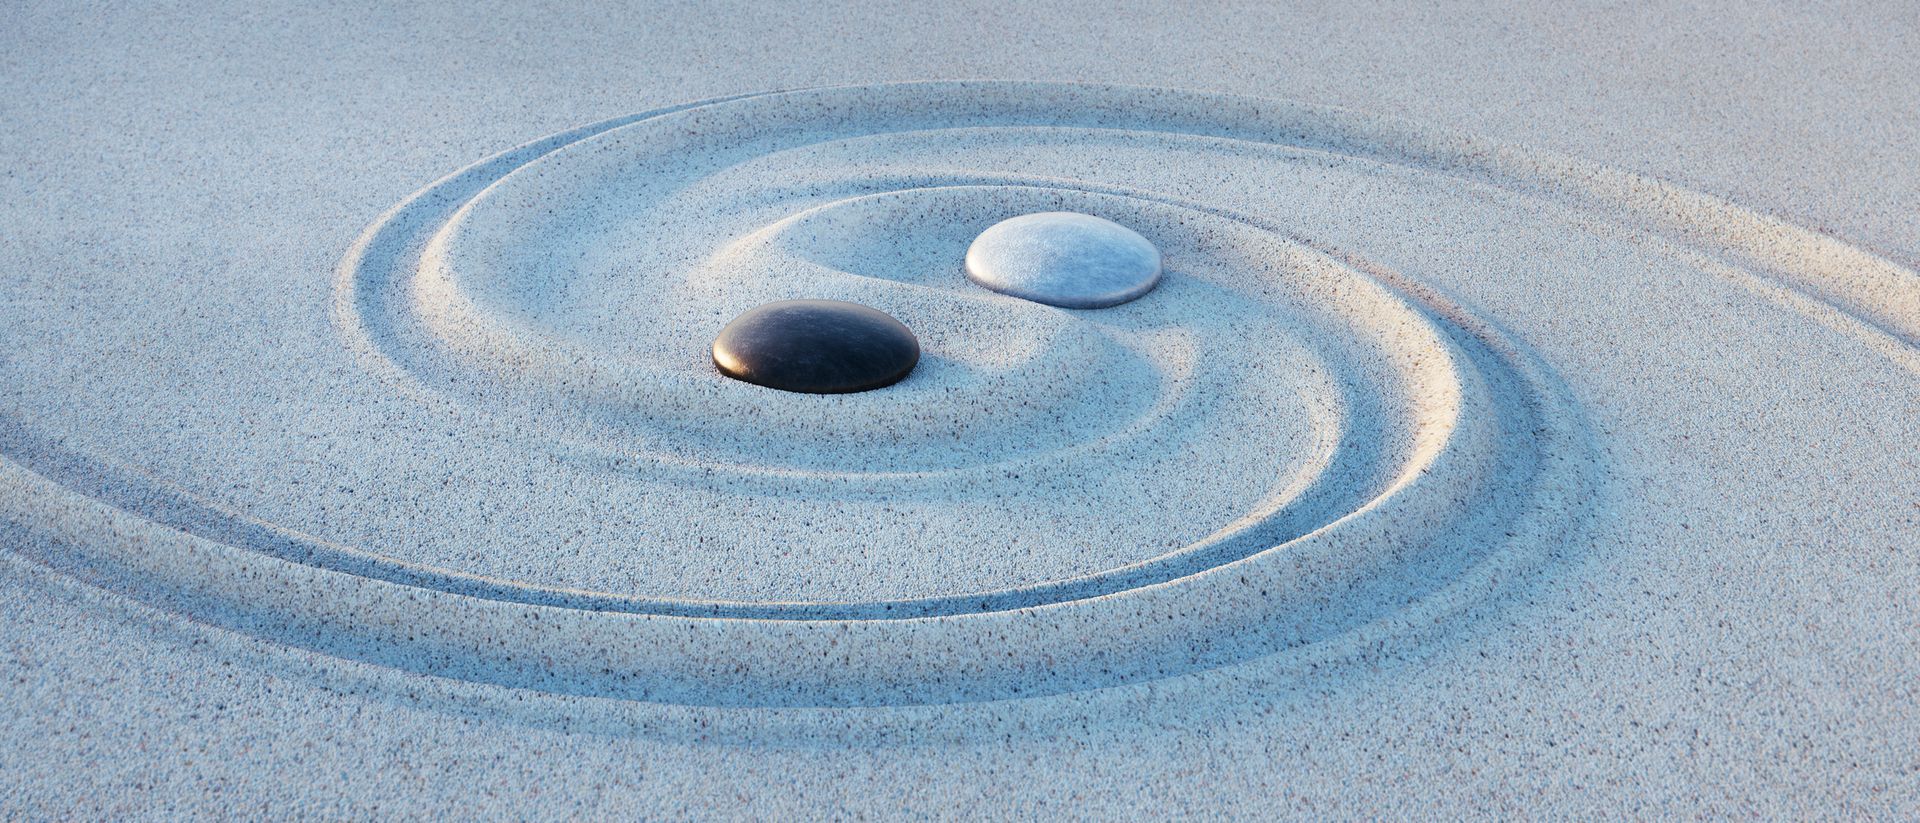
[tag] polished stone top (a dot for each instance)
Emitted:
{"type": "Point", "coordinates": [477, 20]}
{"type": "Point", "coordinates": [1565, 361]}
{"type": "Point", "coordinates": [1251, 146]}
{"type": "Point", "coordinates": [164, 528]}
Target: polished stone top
{"type": "Point", "coordinates": [816, 346]}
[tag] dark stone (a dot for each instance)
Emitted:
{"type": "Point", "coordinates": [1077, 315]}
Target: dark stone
{"type": "Point", "coordinates": [816, 346]}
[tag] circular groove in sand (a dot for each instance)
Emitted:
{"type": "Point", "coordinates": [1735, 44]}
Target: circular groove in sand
{"type": "Point", "coordinates": [1494, 485]}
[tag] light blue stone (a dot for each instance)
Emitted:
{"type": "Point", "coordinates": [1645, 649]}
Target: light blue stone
{"type": "Point", "coordinates": [1066, 259]}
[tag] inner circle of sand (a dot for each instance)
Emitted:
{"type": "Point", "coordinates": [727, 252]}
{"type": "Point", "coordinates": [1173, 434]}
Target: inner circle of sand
{"type": "Point", "coordinates": [1467, 468]}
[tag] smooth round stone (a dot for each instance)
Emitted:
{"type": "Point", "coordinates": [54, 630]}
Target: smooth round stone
{"type": "Point", "coordinates": [816, 346]}
{"type": "Point", "coordinates": [1066, 259]}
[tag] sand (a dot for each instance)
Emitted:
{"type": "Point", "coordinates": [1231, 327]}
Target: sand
{"type": "Point", "coordinates": [362, 453]}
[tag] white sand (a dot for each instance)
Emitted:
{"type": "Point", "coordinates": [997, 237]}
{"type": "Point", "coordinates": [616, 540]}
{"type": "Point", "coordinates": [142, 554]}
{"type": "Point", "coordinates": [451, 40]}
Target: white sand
{"type": "Point", "coordinates": [1442, 474]}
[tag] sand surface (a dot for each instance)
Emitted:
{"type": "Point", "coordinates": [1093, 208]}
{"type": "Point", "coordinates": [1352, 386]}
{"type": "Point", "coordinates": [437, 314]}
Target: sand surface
{"type": "Point", "coordinates": [1527, 420]}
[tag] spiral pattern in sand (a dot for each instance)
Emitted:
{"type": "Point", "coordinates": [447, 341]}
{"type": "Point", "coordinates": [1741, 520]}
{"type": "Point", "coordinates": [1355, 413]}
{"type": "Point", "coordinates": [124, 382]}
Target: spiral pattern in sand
{"type": "Point", "coordinates": [1293, 445]}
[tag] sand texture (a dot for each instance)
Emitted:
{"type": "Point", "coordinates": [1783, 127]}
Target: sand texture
{"type": "Point", "coordinates": [1526, 423]}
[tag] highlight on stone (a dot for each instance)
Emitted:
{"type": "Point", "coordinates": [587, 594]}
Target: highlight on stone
{"type": "Point", "coordinates": [817, 347]}
{"type": "Point", "coordinates": [1065, 259]}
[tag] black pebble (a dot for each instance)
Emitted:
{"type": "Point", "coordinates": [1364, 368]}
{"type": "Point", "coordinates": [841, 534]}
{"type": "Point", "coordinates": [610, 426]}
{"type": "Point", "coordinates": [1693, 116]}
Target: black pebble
{"type": "Point", "coordinates": [816, 346]}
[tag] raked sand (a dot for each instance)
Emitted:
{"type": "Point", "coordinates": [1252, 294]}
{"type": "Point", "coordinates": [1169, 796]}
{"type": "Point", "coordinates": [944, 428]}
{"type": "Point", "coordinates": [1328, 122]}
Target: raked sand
{"type": "Point", "coordinates": [1525, 421]}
